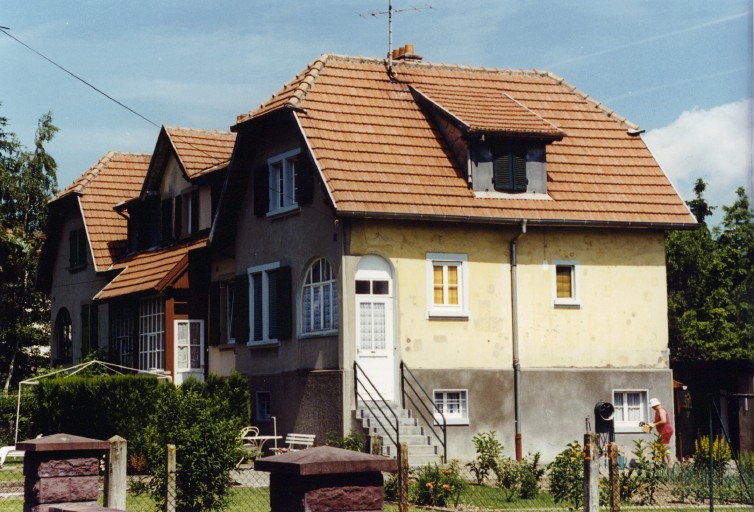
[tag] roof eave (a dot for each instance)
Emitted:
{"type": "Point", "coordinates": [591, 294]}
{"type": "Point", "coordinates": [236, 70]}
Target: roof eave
{"type": "Point", "coordinates": [509, 221]}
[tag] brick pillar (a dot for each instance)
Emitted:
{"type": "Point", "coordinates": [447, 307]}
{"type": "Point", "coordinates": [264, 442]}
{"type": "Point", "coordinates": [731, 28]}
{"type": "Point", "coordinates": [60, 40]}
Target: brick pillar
{"type": "Point", "coordinates": [61, 470]}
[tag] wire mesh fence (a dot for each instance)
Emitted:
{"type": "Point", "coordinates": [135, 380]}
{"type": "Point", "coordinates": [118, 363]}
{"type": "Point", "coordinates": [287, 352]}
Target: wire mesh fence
{"type": "Point", "coordinates": [682, 486]}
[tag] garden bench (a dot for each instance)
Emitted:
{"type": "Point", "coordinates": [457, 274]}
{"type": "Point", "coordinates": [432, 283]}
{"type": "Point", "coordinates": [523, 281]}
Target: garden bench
{"type": "Point", "coordinates": [9, 451]}
{"type": "Point", "coordinates": [296, 442]}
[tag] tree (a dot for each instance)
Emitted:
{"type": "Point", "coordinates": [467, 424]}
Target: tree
{"type": "Point", "coordinates": [711, 284]}
{"type": "Point", "coordinates": [27, 181]}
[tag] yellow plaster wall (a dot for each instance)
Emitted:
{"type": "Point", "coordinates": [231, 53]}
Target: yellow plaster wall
{"type": "Point", "coordinates": [621, 321]}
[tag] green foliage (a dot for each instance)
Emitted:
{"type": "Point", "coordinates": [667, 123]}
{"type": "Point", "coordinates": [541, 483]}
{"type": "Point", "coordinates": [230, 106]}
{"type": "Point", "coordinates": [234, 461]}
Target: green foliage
{"type": "Point", "coordinates": [354, 441]}
{"type": "Point", "coordinates": [720, 454]}
{"type": "Point", "coordinates": [648, 472]}
{"type": "Point", "coordinates": [27, 181]}
{"type": "Point", "coordinates": [439, 486]}
{"type": "Point", "coordinates": [508, 473]}
{"type": "Point", "coordinates": [710, 276]}
{"type": "Point", "coordinates": [531, 476]}
{"type": "Point", "coordinates": [488, 450]}
{"type": "Point", "coordinates": [567, 476]}
{"type": "Point", "coordinates": [204, 429]}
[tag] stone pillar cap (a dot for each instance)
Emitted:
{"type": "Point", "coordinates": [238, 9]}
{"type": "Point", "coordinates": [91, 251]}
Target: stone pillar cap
{"type": "Point", "coordinates": [58, 442]}
{"type": "Point", "coordinates": [324, 460]}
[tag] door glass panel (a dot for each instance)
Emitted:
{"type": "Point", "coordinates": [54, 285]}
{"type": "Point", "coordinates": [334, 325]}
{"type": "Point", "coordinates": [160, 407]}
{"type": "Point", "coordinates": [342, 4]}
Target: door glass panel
{"type": "Point", "coordinates": [362, 287]}
{"type": "Point", "coordinates": [380, 287]}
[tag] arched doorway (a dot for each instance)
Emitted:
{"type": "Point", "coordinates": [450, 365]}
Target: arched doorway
{"type": "Point", "coordinates": [375, 344]}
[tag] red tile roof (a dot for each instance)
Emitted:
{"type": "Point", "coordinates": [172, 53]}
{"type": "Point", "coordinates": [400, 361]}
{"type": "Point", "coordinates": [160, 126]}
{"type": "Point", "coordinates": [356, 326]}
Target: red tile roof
{"type": "Point", "coordinates": [115, 178]}
{"type": "Point", "coordinates": [380, 155]}
{"type": "Point", "coordinates": [201, 151]}
{"type": "Point", "coordinates": [143, 271]}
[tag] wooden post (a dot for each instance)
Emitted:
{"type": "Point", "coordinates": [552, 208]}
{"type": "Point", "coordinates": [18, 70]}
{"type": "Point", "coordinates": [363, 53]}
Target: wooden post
{"type": "Point", "coordinates": [403, 478]}
{"type": "Point", "coordinates": [591, 472]}
{"type": "Point", "coordinates": [612, 450]}
{"type": "Point", "coordinates": [170, 487]}
{"type": "Point", "coordinates": [375, 443]}
{"type": "Point", "coordinates": [115, 474]}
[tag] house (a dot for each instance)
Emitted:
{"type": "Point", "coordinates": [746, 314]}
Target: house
{"type": "Point", "coordinates": [480, 248]}
{"type": "Point", "coordinates": [494, 236]}
{"type": "Point", "coordinates": [135, 227]}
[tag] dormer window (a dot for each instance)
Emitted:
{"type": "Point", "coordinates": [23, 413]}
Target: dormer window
{"type": "Point", "coordinates": [282, 171]}
{"type": "Point", "coordinates": [283, 184]}
{"type": "Point", "coordinates": [508, 166]}
{"type": "Point", "coordinates": [180, 216]}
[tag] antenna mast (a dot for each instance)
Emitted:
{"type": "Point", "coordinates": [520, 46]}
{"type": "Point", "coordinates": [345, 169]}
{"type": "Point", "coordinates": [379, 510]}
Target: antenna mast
{"type": "Point", "coordinates": [390, 36]}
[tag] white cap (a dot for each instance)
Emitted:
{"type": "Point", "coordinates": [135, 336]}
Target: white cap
{"type": "Point", "coordinates": [653, 402]}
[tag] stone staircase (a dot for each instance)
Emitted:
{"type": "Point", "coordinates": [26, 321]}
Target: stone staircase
{"type": "Point", "coordinates": [422, 448]}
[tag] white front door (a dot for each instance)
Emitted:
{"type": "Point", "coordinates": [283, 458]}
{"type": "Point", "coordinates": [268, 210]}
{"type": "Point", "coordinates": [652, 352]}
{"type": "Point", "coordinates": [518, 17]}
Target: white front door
{"type": "Point", "coordinates": [189, 350]}
{"type": "Point", "coordinates": [374, 324]}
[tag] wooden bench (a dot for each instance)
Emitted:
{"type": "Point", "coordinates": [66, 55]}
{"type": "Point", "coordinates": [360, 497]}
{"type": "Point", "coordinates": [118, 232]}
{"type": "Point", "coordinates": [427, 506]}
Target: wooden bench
{"type": "Point", "coordinates": [296, 442]}
{"type": "Point", "coordinates": [9, 452]}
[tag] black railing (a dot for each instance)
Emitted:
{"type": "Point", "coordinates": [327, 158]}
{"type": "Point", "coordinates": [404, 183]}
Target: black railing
{"type": "Point", "coordinates": [423, 405]}
{"type": "Point", "coordinates": [366, 393]}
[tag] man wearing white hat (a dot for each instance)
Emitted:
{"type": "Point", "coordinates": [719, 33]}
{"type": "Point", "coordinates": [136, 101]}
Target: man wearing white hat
{"type": "Point", "coordinates": [662, 424]}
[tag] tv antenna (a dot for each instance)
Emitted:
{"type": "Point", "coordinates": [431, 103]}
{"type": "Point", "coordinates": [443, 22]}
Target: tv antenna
{"type": "Point", "coordinates": [389, 13]}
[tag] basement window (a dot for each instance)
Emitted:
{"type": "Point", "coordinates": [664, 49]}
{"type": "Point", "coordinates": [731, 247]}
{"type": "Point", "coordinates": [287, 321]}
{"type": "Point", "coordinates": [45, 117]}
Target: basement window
{"type": "Point", "coordinates": [453, 404]}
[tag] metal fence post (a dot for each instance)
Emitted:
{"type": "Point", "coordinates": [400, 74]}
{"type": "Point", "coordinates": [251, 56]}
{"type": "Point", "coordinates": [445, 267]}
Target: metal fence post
{"type": "Point", "coordinates": [170, 481]}
{"type": "Point", "coordinates": [115, 475]}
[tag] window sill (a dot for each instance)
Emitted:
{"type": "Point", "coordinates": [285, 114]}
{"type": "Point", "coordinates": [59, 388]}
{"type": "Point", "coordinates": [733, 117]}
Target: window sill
{"type": "Point", "coordinates": [435, 314]}
{"type": "Point", "coordinates": [453, 422]}
{"type": "Point", "coordinates": [318, 334]}
{"type": "Point", "coordinates": [263, 344]}
{"type": "Point", "coordinates": [566, 304]}
{"type": "Point", "coordinates": [628, 428]}
{"type": "Point", "coordinates": [283, 212]}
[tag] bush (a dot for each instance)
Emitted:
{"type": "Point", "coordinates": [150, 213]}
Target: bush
{"type": "Point", "coordinates": [488, 450]}
{"type": "Point", "coordinates": [204, 429]}
{"type": "Point", "coordinates": [508, 473]}
{"type": "Point", "coordinates": [567, 476]}
{"type": "Point", "coordinates": [439, 486]}
{"type": "Point", "coordinates": [648, 471]}
{"type": "Point", "coordinates": [531, 475]}
{"type": "Point", "coordinates": [354, 441]}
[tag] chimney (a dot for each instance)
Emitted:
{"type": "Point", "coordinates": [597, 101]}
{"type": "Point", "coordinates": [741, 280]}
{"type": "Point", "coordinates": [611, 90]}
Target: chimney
{"type": "Point", "coordinates": [406, 52]}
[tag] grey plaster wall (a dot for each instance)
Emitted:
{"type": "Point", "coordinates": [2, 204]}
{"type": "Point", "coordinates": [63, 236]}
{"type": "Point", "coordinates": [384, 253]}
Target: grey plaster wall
{"type": "Point", "coordinates": [555, 405]}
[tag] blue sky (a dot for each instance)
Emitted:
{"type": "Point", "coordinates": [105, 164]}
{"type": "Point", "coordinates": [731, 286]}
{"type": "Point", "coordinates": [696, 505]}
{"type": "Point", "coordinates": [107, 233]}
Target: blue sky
{"type": "Point", "coordinates": [681, 69]}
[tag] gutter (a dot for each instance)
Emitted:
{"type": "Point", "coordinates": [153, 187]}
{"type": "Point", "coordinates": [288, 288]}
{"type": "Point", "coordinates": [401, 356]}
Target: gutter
{"type": "Point", "coordinates": [514, 331]}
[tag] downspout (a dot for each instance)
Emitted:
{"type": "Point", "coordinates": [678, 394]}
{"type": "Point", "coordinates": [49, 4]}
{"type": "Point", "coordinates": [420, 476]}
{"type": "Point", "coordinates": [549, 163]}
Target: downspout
{"type": "Point", "coordinates": [514, 329]}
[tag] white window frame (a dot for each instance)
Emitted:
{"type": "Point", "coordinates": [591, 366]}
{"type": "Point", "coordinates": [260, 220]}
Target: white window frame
{"type": "Point", "coordinates": [282, 182]}
{"type": "Point", "coordinates": [460, 310]}
{"type": "Point", "coordinates": [152, 334]}
{"type": "Point", "coordinates": [566, 302]}
{"type": "Point", "coordinates": [229, 303]}
{"type": "Point", "coordinates": [325, 287]}
{"type": "Point", "coordinates": [187, 343]}
{"type": "Point", "coordinates": [262, 397]}
{"type": "Point", "coordinates": [462, 417]}
{"type": "Point", "coordinates": [630, 427]}
{"type": "Point", "coordinates": [264, 272]}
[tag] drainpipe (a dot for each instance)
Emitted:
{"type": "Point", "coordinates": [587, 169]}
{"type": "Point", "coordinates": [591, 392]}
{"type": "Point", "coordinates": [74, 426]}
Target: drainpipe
{"type": "Point", "coordinates": [514, 329]}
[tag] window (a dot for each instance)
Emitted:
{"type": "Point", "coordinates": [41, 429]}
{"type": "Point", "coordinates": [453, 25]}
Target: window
{"type": "Point", "coordinates": [630, 409]}
{"type": "Point", "coordinates": [180, 215]}
{"type": "Point", "coordinates": [228, 302]}
{"type": "Point", "coordinates": [453, 404]}
{"type": "Point", "coordinates": [319, 299]}
{"type": "Point", "coordinates": [282, 181]}
{"type": "Point", "coordinates": [269, 303]}
{"type": "Point", "coordinates": [78, 249]}
{"type": "Point", "coordinates": [63, 337]}
{"type": "Point", "coordinates": [189, 345]}
{"type": "Point", "coordinates": [263, 409]}
{"type": "Point", "coordinates": [122, 336]}
{"type": "Point", "coordinates": [447, 294]}
{"type": "Point", "coordinates": [89, 328]}
{"type": "Point", "coordinates": [152, 334]}
{"type": "Point", "coordinates": [565, 289]}
{"type": "Point", "coordinates": [509, 170]}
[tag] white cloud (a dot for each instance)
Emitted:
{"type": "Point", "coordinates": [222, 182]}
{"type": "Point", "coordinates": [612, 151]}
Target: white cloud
{"type": "Point", "coordinates": [713, 144]}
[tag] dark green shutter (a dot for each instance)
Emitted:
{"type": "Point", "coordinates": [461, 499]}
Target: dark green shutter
{"type": "Point", "coordinates": [509, 172]}
{"type": "Point", "coordinates": [166, 217]}
{"type": "Point", "coordinates": [261, 191]}
{"type": "Point", "coordinates": [73, 247]}
{"type": "Point", "coordinates": [241, 308]}
{"type": "Point", "coordinates": [194, 211]}
{"type": "Point", "coordinates": [214, 314]}
{"type": "Point", "coordinates": [304, 181]}
{"type": "Point", "coordinates": [284, 304]}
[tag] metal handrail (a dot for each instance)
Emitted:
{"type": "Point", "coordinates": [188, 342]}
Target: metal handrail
{"type": "Point", "coordinates": [421, 407]}
{"type": "Point", "coordinates": [380, 404]}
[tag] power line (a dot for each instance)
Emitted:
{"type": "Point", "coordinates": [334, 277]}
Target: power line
{"type": "Point", "coordinates": [4, 30]}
